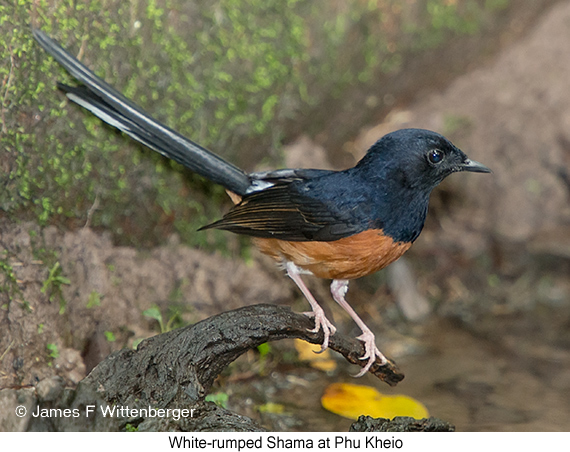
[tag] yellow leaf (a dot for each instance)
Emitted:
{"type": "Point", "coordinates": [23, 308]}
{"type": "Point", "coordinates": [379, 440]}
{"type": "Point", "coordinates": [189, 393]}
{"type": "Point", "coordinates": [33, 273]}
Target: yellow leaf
{"type": "Point", "coordinates": [350, 400]}
{"type": "Point", "coordinates": [308, 352]}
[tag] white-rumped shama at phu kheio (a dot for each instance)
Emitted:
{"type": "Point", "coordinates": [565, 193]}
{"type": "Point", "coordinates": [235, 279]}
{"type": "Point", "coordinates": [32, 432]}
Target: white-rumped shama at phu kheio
{"type": "Point", "coordinates": [338, 225]}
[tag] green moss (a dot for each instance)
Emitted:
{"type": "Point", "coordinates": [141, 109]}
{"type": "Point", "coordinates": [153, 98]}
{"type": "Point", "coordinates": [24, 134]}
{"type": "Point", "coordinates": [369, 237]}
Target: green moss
{"type": "Point", "coordinates": [444, 19]}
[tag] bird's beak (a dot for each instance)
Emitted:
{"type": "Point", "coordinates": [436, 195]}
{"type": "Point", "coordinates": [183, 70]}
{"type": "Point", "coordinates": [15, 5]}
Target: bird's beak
{"type": "Point", "coordinates": [474, 167]}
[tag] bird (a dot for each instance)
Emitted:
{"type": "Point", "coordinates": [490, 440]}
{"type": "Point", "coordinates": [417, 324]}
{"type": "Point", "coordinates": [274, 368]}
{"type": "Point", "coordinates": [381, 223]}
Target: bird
{"type": "Point", "coordinates": [337, 225]}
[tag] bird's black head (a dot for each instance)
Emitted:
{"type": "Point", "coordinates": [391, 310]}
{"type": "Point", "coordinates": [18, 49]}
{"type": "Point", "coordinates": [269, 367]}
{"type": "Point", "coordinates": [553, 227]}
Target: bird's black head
{"type": "Point", "coordinates": [398, 174]}
{"type": "Point", "coordinates": [416, 158]}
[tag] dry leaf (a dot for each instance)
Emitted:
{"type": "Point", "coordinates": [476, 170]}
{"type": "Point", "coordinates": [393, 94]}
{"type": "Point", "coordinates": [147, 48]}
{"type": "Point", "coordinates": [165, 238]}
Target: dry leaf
{"type": "Point", "coordinates": [350, 400]}
{"type": "Point", "coordinates": [321, 361]}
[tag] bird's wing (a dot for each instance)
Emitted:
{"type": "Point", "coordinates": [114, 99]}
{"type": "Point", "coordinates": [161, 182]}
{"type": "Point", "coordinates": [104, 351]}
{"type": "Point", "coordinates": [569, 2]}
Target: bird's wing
{"type": "Point", "coordinates": [281, 211]}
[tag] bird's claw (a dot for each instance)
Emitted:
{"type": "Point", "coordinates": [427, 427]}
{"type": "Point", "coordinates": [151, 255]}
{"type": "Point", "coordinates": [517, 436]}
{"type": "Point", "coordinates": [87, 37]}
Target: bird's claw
{"type": "Point", "coordinates": [321, 321]}
{"type": "Point", "coordinates": [371, 352]}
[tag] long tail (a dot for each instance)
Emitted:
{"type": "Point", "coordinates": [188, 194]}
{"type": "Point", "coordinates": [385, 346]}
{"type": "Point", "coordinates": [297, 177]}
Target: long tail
{"type": "Point", "coordinates": [112, 107]}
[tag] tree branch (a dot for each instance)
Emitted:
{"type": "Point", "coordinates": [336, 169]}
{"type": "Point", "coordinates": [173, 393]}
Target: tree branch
{"type": "Point", "coordinates": [190, 358]}
{"type": "Point", "coordinates": [177, 369]}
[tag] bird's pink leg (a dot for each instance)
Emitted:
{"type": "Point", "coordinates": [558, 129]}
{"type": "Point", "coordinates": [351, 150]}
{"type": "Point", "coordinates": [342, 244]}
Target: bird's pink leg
{"type": "Point", "coordinates": [321, 320]}
{"type": "Point", "coordinates": [339, 288]}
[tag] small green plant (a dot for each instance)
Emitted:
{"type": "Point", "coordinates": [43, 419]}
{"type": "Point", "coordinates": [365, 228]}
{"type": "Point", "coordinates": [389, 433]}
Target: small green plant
{"type": "Point", "coordinates": [53, 283]}
{"type": "Point", "coordinates": [9, 284]}
{"type": "Point", "coordinates": [26, 306]}
{"type": "Point", "coordinates": [8, 271]}
{"type": "Point", "coordinates": [154, 313]}
{"type": "Point", "coordinates": [219, 398]}
{"type": "Point", "coordinates": [53, 351]}
{"type": "Point", "coordinates": [173, 322]}
{"type": "Point", "coordinates": [110, 336]}
{"type": "Point", "coordinates": [264, 350]}
{"type": "Point", "coordinates": [94, 300]}
{"type": "Point", "coordinates": [136, 342]}
{"type": "Point", "coordinates": [131, 428]}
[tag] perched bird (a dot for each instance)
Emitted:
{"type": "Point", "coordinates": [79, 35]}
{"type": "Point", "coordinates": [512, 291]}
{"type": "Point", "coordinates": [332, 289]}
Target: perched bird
{"type": "Point", "coordinates": [337, 225]}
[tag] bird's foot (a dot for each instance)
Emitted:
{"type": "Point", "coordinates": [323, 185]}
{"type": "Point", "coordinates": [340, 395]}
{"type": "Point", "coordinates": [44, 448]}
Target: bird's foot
{"type": "Point", "coordinates": [371, 352]}
{"type": "Point", "coordinates": [321, 322]}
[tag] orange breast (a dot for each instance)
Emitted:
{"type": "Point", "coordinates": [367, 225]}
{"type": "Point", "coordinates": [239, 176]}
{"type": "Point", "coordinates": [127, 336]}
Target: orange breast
{"type": "Point", "coordinates": [347, 258]}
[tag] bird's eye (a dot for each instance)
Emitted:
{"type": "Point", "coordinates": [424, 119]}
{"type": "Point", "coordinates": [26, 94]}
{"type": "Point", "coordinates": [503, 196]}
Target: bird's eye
{"type": "Point", "coordinates": [435, 156]}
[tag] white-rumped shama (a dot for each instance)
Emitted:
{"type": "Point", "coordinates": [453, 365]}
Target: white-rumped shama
{"type": "Point", "coordinates": [338, 225]}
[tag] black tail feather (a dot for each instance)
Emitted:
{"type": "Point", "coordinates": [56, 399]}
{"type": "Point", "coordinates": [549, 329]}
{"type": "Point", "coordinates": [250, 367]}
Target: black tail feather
{"type": "Point", "coordinates": [112, 107]}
